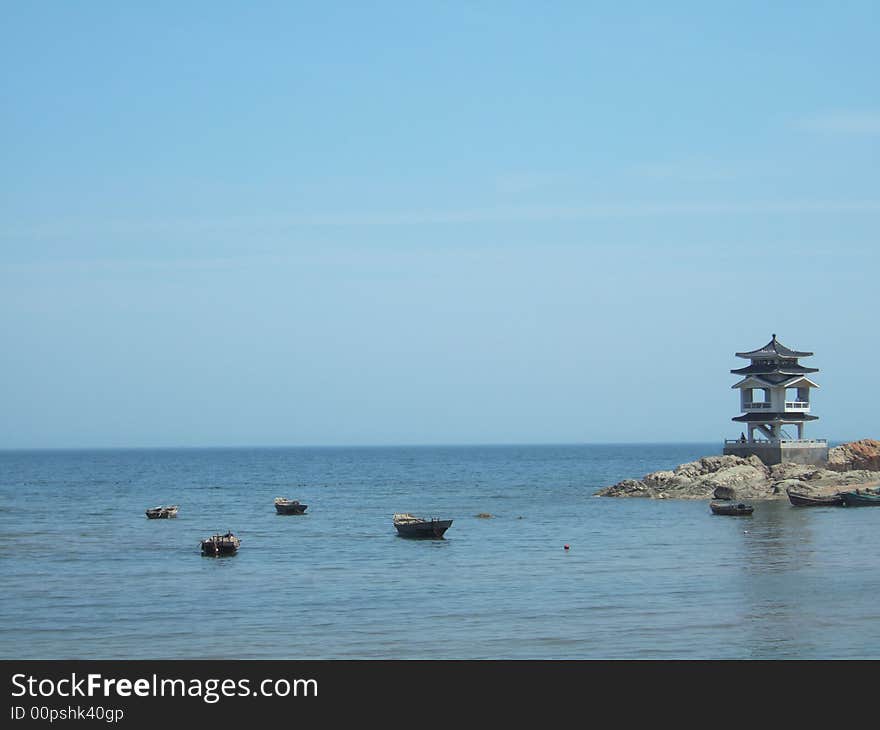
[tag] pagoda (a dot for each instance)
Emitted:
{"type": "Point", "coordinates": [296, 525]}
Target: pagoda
{"type": "Point", "coordinates": [774, 400]}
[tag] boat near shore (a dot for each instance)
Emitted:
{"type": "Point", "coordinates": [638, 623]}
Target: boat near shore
{"type": "Point", "coordinates": [800, 499]}
{"type": "Point", "coordinates": [218, 545]}
{"type": "Point", "coordinates": [731, 509]}
{"type": "Point", "coordinates": [285, 506]}
{"type": "Point", "coordinates": [162, 512]}
{"type": "Point", "coordinates": [411, 526]}
{"type": "Point", "coordinates": [861, 498]}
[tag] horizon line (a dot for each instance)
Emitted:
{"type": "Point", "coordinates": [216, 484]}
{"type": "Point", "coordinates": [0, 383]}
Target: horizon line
{"type": "Point", "coordinates": [272, 447]}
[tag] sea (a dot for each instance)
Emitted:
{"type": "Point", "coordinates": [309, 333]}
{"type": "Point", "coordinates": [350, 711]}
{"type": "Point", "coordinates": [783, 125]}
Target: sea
{"type": "Point", "coordinates": [86, 576]}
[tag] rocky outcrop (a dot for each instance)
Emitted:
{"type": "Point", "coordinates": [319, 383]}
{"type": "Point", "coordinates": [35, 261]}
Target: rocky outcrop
{"type": "Point", "coordinates": [854, 456]}
{"type": "Point", "coordinates": [735, 477]}
{"type": "Point", "coordinates": [724, 493]}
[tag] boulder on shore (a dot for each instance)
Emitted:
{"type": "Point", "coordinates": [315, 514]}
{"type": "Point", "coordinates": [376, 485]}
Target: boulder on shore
{"type": "Point", "coordinates": [724, 493]}
{"type": "Point", "coordinates": [855, 456]}
{"type": "Point", "coordinates": [734, 477]}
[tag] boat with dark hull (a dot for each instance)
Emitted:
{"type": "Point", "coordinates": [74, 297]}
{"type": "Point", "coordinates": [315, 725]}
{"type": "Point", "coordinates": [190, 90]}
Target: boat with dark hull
{"type": "Point", "coordinates": [289, 506]}
{"type": "Point", "coordinates": [162, 513]}
{"type": "Point", "coordinates": [861, 498]}
{"type": "Point", "coordinates": [218, 545]}
{"type": "Point", "coordinates": [731, 509]}
{"type": "Point", "coordinates": [411, 526]}
{"type": "Point", "coordinates": [799, 499]}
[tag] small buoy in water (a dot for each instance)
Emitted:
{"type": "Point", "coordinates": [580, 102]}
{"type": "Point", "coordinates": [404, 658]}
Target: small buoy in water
{"type": "Point", "coordinates": [566, 546]}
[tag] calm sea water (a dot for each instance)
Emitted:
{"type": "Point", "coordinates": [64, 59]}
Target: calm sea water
{"type": "Point", "coordinates": [86, 575]}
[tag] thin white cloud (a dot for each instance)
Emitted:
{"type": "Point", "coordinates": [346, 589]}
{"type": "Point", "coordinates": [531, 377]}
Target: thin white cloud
{"type": "Point", "coordinates": [703, 171]}
{"type": "Point", "coordinates": [507, 214]}
{"type": "Point", "coordinates": [843, 122]}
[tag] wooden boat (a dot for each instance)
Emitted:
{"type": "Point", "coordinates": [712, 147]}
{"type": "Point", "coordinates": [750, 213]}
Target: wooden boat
{"type": "Point", "coordinates": [799, 499]}
{"type": "Point", "coordinates": [411, 526]}
{"type": "Point", "coordinates": [217, 545]}
{"type": "Point", "coordinates": [289, 506]}
{"type": "Point", "coordinates": [162, 513]}
{"type": "Point", "coordinates": [861, 498]}
{"type": "Point", "coordinates": [729, 508]}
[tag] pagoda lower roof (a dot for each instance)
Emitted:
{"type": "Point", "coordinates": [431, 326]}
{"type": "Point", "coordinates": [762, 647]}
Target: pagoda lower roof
{"type": "Point", "coordinates": [773, 417]}
{"type": "Point", "coordinates": [772, 349]}
{"type": "Point", "coordinates": [775, 381]}
{"type": "Point", "coordinates": [756, 369]}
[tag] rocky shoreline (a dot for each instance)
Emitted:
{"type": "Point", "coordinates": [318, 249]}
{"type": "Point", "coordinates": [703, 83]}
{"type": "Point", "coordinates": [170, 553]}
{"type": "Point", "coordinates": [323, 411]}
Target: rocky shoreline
{"type": "Point", "coordinates": [850, 466]}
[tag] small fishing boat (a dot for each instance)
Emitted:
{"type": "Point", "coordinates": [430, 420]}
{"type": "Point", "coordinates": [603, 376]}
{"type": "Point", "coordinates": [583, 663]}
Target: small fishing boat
{"type": "Point", "coordinates": [217, 545]}
{"type": "Point", "coordinates": [411, 526]}
{"type": "Point", "coordinates": [289, 506]}
{"type": "Point", "coordinates": [799, 499]}
{"type": "Point", "coordinates": [861, 498]}
{"type": "Point", "coordinates": [162, 513]}
{"type": "Point", "coordinates": [729, 508]}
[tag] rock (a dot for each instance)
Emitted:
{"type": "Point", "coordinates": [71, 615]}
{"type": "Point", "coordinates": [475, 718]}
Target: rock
{"type": "Point", "coordinates": [627, 488]}
{"type": "Point", "coordinates": [779, 472]}
{"type": "Point", "coordinates": [855, 464]}
{"type": "Point", "coordinates": [796, 484]}
{"type": "Point", "coordinates": [861, 455]}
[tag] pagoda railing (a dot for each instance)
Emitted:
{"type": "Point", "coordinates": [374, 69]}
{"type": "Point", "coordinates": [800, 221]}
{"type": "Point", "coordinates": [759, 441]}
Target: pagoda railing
{"type": "Point", "coordinates": [774, 442]}
{"type": "Point", "coordinates": [790, 405]}
{"type": "Point", "coordinates": [796, 405]}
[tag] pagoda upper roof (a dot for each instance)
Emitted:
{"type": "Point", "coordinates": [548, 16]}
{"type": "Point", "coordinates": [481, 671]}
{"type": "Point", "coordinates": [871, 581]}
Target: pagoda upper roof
{"type": "Point", "coordinates": [772, 349]}
{"type": "Point", "coordinates": [775, 368]}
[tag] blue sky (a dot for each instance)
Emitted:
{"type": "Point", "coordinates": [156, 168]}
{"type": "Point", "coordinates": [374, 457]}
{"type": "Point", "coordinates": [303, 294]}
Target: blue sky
{"type": "Point", "coordinates": [391, 223]}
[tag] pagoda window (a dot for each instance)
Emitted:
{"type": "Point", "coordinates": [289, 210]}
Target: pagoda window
{"type": "Point", "coordinates": [797, 397]}
{"type": "Point", "coordinates": [759, 395]}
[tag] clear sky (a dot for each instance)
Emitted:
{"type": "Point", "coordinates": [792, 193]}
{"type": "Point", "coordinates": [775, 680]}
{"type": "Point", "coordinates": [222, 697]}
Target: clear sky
{"type": "Point", "coordinates": [295, 223]}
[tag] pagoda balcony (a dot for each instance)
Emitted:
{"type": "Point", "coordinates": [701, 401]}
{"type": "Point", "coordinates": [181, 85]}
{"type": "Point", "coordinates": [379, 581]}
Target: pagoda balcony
{"type": "Point", "coordinates": [790, 406]}
{"type": "Point", "coordinates": [797, 405]}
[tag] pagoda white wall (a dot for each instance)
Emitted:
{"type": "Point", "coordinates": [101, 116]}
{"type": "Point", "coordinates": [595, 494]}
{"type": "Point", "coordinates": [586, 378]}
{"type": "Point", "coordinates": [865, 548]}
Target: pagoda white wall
{"type": "Point", "coordinates": [777, 400]}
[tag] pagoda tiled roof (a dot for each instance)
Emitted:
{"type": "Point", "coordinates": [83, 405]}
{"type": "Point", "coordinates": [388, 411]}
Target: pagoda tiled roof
{"type": "Point", "coordinates": [775, 380]}
{"type": "Point", "coordinates": [770, 417]}
{"type": "Point", "coordinates": [774, 348]}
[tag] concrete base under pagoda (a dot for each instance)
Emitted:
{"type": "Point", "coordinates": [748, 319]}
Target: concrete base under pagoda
{"type": "Point", "coordinates": [814, 451]}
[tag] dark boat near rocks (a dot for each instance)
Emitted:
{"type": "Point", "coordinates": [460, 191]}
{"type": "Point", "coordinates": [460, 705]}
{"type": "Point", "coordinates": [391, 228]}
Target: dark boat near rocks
{"type": "Point", "coordinates": [289, 506]}
{"type": "Point", "coordinates": [733, 510]}
{"type": "Point", "coordinates": [218, 545]}
{"type": "Point", "coordinates": [162, 513]}
{"type": "Point", "coordinates": [799, 499]}
{"type": "Point", "coordinates": [861, 498]}
{"type": "Point", "coordinates": [411, 526]}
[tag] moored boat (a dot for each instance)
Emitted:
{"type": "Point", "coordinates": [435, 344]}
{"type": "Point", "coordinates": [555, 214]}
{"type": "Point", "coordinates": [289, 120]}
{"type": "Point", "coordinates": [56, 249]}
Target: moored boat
{"type": "Point", "coordinates": [731, 509]}
{"type": "Point", "coordinates": [411, 526]}
{"type": "Point", "coordinates": [799, 499]}
{"type": "Point", "coordinates": [217, 545]}
{"type": "Point", "coordinates": [861, 498]}
{"type": "Point", "coordinates": [162, 512]}
{"type": "Point", "coordinates": [289, 506]}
